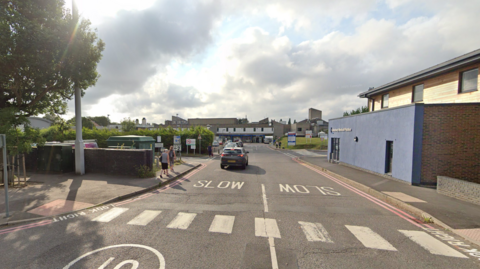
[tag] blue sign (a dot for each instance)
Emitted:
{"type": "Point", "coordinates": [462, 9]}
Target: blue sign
{"type": "Point", "coordinates": [292, 138]}
{"type": "Point", "coordinates": [176, 140]}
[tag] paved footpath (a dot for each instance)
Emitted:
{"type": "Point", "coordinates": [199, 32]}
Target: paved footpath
{"type": "Point", "coordinates": [52, 194]}
{"type": "Point", "coordinates": [461, 217]}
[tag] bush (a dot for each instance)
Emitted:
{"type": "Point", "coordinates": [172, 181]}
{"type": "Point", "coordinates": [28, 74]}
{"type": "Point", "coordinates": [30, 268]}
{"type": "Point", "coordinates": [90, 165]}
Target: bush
{"type": "Point", "coordinates": [167, 134]}
{"type": "Point", "coordinates": [144, 171]}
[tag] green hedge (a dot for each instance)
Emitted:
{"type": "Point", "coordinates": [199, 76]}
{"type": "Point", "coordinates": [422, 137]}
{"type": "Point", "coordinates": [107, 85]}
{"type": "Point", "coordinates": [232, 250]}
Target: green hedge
{"type": "Point", "coordinates": [53, 134]}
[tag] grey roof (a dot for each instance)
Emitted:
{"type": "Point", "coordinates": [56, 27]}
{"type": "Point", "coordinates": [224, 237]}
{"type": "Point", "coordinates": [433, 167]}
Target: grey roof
{"type": "Point", "coordinates": [438, 69]}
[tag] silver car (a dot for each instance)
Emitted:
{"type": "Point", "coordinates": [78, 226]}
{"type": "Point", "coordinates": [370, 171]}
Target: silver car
{"type": "Point", "coordinates": [234, 157]}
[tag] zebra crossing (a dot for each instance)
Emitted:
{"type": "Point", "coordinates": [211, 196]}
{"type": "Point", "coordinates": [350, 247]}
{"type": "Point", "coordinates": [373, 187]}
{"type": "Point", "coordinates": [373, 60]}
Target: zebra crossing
{"type": "Point", "coordinates": [267, 227]}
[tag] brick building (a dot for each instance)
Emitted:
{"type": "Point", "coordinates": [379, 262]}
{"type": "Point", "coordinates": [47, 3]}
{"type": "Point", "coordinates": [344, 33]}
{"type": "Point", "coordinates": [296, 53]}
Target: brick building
{"type": "Point", "coordinates": [419, 127]}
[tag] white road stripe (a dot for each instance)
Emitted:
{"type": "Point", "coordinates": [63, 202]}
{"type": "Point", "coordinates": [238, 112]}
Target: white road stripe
{"type": "Point", "coordinates": [265, 205]}
{"type": "Point", "coordinates": [110, 214]}
{"type": "Point", "coordinates": [182, 221]}
{"type": "Point", "coordinates": [315, 232]}
{"type": "Point", "coordinates": [266, 228]}
{"type": "Point", "coordinates": [431, 244]}
{"type": "Point", "coordinates": [369, 238]}
{"type": "Point", "coordinates": [222, 224]}
{"type": "Point", "coordinates": [273, 253]}
{"type": "Point", "coordinates": [145, 217]}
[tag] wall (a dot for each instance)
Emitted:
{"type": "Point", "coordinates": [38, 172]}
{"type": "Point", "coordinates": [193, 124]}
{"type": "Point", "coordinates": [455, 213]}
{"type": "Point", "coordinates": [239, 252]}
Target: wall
{"type": "Point", "coordinates": [439, 89]}
{"type": "Point", "coordinates": [373, 129]}
{"type": "Point", "coordinates": [451, 142]}
{"type": "Point", "coordinates": [116, 161]}
{"type": "Point", "coordinates": [314, 113]}
{"type": "Point", "coordinates": [213, 121]}
{"type": "Point", "coordinates": [459, 189]}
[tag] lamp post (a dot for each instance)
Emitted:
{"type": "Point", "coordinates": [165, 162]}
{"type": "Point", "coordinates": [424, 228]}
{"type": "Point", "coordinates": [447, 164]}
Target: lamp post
{"type": "Point", "coordinates": [79, 146]}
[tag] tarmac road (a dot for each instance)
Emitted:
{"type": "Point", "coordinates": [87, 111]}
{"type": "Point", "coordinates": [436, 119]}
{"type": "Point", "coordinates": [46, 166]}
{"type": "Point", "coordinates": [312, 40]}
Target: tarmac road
{"type": "Point", "coordinates": [278, 213]}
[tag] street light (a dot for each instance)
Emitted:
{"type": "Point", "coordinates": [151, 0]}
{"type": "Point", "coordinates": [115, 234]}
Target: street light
{"type": "Point", "coordinates": [79, 146]}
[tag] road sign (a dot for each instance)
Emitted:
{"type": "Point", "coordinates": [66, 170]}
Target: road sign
{"type": "Point", "coordinates": [308, 134]}
{"type": "Point", "coordinates": [159, 145]}
{"type": "Point", "coordinates": [177, 147]}
{"type": "Point", "coordinates": [176, 140]}
{"type": "Point", "coordinates": [192, 147]}
{"type": "Point", "coordinates": [292, 138]}
{"type": "Point", "coordinates": [190, 142]}
{"type": "Point", "coordinates": [159, 139]}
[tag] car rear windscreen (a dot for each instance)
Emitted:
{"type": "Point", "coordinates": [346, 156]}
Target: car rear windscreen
{"type": "Point", "coordinates": [230, 151]}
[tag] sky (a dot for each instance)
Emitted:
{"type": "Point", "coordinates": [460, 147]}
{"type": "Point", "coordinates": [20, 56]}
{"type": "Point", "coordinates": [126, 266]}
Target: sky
{"type": "Point", "coordinates": [263, 58]}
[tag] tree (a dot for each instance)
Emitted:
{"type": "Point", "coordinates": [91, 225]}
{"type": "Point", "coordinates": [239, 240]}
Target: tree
{"type": "Point", "coordinates": [128, 125]}
{"type": "Point", "coordinates": [45, 54]}
{"type": "Point", "coordinates": [86, 122]}
{"type": "Point", "coordinates": [18, 141]}
{"type": "Point", "coordinates": [294, 121]}
{"type": "Point", "coordinates": [289, 121]}
{"type": "Point", "coordinates": [101, 120]}
{"type": "Point", "coordinates": [359, 110]}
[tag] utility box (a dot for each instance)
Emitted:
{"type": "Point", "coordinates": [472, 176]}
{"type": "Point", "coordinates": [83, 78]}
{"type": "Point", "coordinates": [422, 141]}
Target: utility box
{"type": "Point", "coordinates": [133, 142]}
{"type": "Point", "coordinates": [57, 158]}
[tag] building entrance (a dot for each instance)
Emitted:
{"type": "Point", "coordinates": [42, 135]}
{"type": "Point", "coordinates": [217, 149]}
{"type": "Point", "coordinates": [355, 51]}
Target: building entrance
{"type": "Point", "coordinates": [389, 157]}
{"type": "Point", "coordinates": [335, 152]}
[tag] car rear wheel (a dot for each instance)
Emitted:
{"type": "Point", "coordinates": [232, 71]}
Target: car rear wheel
{"type": "Point", "coordinates": [246, 163]}
{"type": "Point", "coordinates": [244, 166]}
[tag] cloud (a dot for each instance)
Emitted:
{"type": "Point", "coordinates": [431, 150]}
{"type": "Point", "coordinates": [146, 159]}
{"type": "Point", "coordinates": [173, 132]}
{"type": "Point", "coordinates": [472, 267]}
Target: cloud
{"type": "Point", "coordinates": [182, 57]}
{"type": "Point", "coordinates": [139, 44]}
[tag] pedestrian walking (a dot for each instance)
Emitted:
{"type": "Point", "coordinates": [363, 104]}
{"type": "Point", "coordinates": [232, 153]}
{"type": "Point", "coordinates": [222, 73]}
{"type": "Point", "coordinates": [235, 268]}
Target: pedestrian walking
{"type": "Point", "coordinates": [172, 156]}
{"type": "Point", "coordinates": [210, 152]}
{"type": "Point", "coordinates": [165, 160]}
{"type": "Point", "coordinates": [280, 144]}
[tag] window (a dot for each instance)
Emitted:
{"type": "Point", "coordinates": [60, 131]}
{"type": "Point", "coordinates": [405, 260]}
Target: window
{"type": "Point", "coordinates": [299, 129]}
{"type": "Point", "coordinates": [417, 94]}
{"type": "Point", "coordinates": [217, 129]}
{"type": "Point", "coordinates": [385, 100]}
{"type": "Point", "coordinates": [254, 129]}
{"type": "Point", "coordinates": [227, 129]}
{"type": "Point", "coordinates": [373, 104]}
{"type": "Point", "coordinates": [234, 129]}
{"type": "Point", "coordinates": [468, 81]}
{"type": "Point", "coordinates": [244, 129]}
{"type": "Point", "coordinates": [262, 129]}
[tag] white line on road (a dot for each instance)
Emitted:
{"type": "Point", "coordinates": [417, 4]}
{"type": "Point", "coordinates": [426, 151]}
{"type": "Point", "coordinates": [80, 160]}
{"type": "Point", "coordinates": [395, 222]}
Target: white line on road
{"type": "Point", "coordinates": [315, 232]}
{"type": "Point", "coordinates": [273, 253]}
{"type": "Point", "coordinates": [145, 217]}
{"type": "Point", "coordinates": [369, 238]}
{"type": "Point", "coordinates": [182, 221]}
{"type": "Point", "coordinates": [110, 214]}
{"type": "Point", "coordinates": [266, 228]}
{"type": "Point", "coordinates": [265, 205]}
{"type": "Point", "coordinates": [222, 224]}
{"type": "Point", "coordinates": [431, 244]}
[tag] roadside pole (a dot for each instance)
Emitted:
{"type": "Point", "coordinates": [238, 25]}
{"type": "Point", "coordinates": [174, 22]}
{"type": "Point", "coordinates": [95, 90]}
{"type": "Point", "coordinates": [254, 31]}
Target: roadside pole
{"type": "Point", "coordinates": [3, 145]}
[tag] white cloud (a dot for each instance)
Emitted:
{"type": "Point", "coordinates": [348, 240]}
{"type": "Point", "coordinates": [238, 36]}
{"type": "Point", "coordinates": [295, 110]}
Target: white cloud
{"type": "Point", "coordinates": [229, 59]}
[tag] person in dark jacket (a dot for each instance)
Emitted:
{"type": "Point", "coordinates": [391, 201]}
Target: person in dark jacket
{"type": "Point", "coordinates": [171, 158]}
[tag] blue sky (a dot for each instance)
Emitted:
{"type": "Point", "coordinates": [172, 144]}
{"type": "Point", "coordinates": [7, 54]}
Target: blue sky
{"type": "Point", "coordinates": [219, 58]}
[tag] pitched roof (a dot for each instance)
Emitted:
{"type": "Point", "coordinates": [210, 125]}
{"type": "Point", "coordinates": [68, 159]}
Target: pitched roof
{"type": "Point", "coordinates": [438, 69]}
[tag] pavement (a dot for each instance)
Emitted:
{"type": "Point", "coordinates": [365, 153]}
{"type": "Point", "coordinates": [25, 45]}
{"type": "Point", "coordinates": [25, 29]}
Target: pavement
{"type": "Point", "coordinates": [48, 195]}
{"type": "Point", "coordinates": [460, 217]}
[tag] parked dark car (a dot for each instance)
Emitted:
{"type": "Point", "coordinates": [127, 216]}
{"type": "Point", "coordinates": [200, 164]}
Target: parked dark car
{"type": "Point", "coordinates": [234, 157]}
